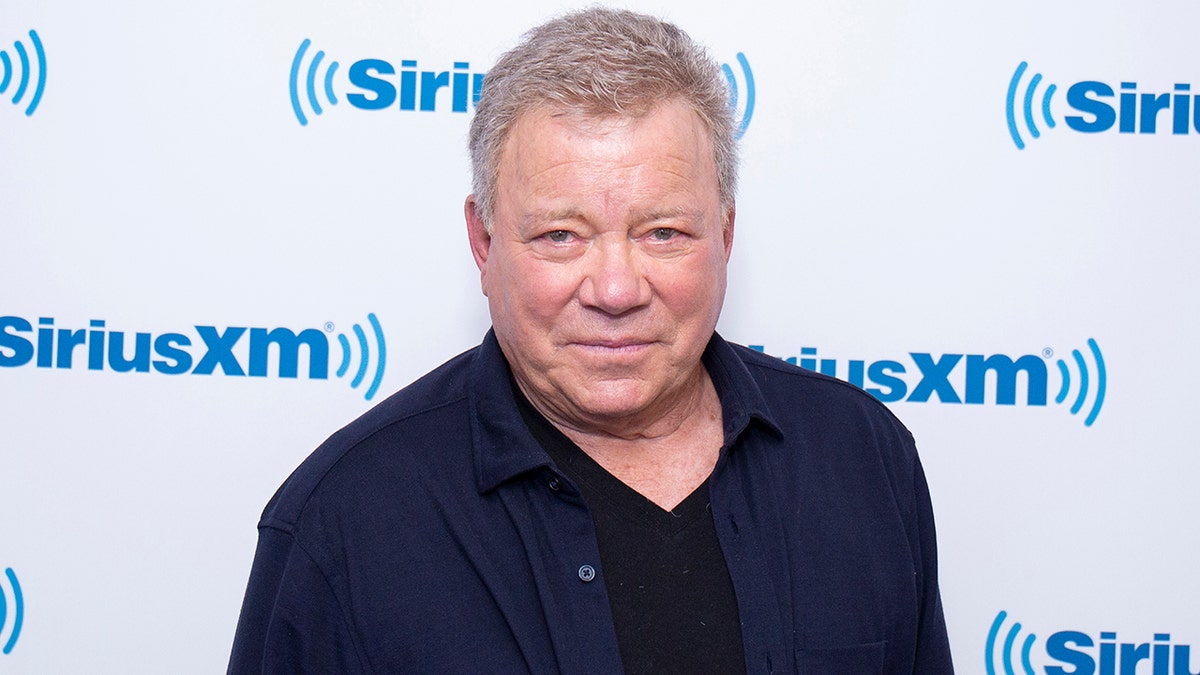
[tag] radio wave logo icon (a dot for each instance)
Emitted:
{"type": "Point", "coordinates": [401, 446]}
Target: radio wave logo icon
{"type": "Point", "coordinates": [364, 355]}
{"type": "Point", "coordinates": [743, 110]}
{"type": "Point", "coordinates": [18, 607]}
{"type": "Point", "coordinates": [311, 75]}
{"type": "Point", "coordinates": [1027, 105]}
{"type": "Point", "coordinates": [1083, 377]}
{"type": "Point", "coordinates": [24, 73]}
{"type": "Point", "coordinates": [1009, 649]}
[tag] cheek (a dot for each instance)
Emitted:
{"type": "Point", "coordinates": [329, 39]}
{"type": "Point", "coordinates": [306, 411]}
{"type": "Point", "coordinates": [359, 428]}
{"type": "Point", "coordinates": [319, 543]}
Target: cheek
{"type": "Point", "coordinates": [538, 290]}
{"type": "Point", "coordinates": [694, 290]}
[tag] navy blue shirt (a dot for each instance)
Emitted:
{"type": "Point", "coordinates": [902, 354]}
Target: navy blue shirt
{"type": "Point", "coordinates": [435, 535]}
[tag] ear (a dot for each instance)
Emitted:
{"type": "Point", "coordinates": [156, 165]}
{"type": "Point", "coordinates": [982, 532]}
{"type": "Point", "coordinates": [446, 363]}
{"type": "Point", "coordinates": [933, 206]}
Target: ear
{"type": "Point", "coordinates": [479, 237]}
{"type": "Point", "coordinates": [727, 231]}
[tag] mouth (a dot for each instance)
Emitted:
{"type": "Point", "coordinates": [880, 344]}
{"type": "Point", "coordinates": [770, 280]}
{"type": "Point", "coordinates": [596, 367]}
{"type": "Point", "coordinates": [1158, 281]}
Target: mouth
{"type": "Point", "coordinates": [614, 346]}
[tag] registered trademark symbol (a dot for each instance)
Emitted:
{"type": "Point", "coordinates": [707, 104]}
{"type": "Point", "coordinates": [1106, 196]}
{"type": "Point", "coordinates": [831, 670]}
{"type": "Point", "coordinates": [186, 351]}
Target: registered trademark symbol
{"type": "Point", "coordinates": [328, 326]}
{"type": "Point", "coordinates": [1047, 352]}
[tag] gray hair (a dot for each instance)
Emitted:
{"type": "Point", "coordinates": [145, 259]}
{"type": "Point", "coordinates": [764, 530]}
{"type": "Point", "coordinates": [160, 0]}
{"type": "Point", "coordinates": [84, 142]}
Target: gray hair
{"type": "Point", "coordinates": [600, 62]}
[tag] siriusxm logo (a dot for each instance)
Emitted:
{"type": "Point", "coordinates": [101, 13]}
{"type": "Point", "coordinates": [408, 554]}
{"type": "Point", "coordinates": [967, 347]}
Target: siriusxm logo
{"type": "Point", "coordinates": [923, 376]}
{"type": "Point", "coordinates": [1131, 112]}
{"type": "Point", "coordinates": [14, 599]}
{"type": "Point", "coordinates": [376, 84]}
{"type": "Point", "coordinates": [1073, 652]}
{"type": "Point", "coordinates": [205, 351]}
{"type": "Point", "coordinates": [742, 110]}
{"type": "Point", "coordinates": [24, 73]}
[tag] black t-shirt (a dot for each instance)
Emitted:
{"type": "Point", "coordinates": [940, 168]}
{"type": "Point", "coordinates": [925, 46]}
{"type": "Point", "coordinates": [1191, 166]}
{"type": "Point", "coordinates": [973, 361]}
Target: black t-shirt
{"type": "Point", "coordinates": [671, 596]}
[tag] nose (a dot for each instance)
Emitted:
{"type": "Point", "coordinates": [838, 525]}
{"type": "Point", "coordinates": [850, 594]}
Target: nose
{"type": "Point", "coordinates": [614, 281]}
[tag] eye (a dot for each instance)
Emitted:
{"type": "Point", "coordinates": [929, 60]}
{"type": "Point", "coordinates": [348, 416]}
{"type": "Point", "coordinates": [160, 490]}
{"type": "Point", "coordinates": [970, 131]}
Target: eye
{"type": "Point", "coordinates": [663, 233]}
{"type": "Point", "coordinates": [558, 236]}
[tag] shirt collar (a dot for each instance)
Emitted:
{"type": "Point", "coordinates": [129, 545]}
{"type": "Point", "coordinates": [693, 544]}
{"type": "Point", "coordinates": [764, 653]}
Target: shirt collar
{"type": "Point", "coordinates": [742, 401]}
{"type": "Point", "coordinates": [505, 448]}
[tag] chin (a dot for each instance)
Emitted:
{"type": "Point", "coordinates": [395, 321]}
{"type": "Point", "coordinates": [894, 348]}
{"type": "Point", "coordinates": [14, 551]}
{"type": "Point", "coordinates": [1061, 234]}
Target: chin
{"type": "Point", "coordinates": [613, 400]}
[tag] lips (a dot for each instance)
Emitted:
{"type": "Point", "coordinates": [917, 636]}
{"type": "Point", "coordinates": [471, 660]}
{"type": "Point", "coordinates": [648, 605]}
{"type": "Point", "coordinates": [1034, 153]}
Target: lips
{"type": "Point", "coordinates": [608, 348]}
{"type": "Point", "coordinates": [623, 343]}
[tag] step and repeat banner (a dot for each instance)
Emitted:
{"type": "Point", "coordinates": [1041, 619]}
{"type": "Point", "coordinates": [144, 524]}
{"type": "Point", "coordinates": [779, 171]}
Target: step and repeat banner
{"type": "Point", "coordinates": [228, 228]}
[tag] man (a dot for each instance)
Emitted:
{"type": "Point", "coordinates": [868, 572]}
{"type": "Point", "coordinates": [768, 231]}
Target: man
{"type": "Point", "coordinates": [604, 484]}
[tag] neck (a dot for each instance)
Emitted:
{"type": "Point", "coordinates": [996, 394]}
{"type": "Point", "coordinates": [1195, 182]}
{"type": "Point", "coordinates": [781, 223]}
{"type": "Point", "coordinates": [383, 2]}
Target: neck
{"type": "Point", "coordinates": [664, 454]}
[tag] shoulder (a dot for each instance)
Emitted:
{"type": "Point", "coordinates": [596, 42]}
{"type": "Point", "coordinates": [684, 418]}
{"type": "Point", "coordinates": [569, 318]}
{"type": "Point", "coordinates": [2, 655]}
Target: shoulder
{"type": "Point", "coordinates": [794, 394]}
{"type": "Point", "coordinates": [828, 427]}
{"type": "Point", "coordinates": [365, 455]}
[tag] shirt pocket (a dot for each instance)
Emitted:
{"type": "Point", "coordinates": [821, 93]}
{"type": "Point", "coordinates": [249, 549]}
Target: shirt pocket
{"type": "Point", "coordinates": [865, 659]}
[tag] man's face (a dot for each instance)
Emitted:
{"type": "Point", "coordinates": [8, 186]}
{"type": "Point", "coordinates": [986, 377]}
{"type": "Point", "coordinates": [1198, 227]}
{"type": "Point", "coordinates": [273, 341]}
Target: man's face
{"type": "Point", "coordinates": [605, 268]}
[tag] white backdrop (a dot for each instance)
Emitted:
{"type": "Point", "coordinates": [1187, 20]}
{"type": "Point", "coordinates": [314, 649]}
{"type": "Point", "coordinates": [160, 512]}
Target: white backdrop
{"type": "Point", "coordinates": [163, 184]}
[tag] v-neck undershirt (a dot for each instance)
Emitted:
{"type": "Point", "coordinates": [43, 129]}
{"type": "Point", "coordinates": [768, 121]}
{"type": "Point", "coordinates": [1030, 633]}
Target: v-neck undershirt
{"type": "Point", "coordinates": [671, 596]}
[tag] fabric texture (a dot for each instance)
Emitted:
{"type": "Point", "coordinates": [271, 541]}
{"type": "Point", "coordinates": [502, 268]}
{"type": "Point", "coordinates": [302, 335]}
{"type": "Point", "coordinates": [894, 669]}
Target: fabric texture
{"type": "Point", "coordinates": [435, 535]}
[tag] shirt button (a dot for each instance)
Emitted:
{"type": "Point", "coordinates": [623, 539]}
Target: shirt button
{"type": "Point", "coordinates": [587, 573]}
{"type": "Point", "coordinates": [554, 484]}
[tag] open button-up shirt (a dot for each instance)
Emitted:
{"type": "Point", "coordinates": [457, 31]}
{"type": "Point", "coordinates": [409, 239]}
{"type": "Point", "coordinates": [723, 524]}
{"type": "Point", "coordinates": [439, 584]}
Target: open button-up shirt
{"type": "Point", "coordinates": [435, 535]}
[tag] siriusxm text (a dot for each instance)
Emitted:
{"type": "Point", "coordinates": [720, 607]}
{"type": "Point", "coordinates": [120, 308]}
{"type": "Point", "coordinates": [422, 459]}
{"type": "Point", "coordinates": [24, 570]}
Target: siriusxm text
{"type": "Point", "coordinates": [1132, 111]}
{"type": "Point", "coordinates": [928, 375]}
{"type": "Point", "coordinates": [208, 350]}
{"type": "Point", "coordinates": [1078, 653]}
{"type": "Point", "coordinates": [382, 86]}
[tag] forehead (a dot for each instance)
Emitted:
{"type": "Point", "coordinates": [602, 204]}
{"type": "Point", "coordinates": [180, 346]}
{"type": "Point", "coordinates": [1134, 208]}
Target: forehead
{"type": "Point", "coordinates": [549, 143]}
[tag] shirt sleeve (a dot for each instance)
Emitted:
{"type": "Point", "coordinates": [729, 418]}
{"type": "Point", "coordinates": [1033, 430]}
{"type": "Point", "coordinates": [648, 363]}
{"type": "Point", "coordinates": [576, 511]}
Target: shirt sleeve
{"type": "Point", "coordinates": [933, 644]}
{"type": "Point", "coordinates": [291, 620]}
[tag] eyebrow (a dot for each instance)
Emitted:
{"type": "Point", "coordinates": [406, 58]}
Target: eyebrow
{"type": "Point", "coordinates": [552, 215]}
{"type": "Point", "coordinates": [667, 214]}
{"type": "Point", "coordinates": [648, 216]}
